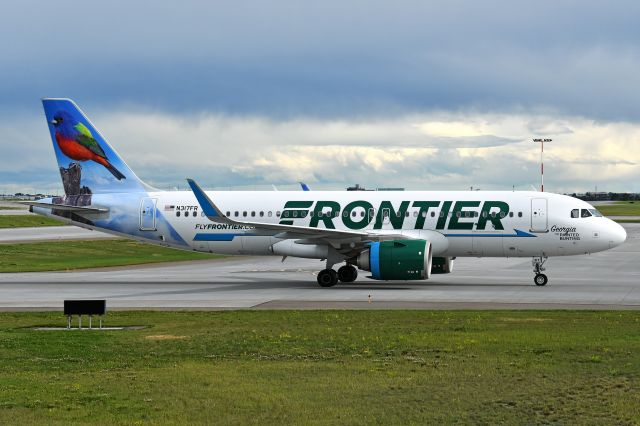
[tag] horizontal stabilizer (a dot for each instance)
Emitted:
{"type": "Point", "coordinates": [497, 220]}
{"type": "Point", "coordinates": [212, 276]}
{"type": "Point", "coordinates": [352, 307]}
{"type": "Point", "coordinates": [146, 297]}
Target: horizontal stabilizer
{"type": "Point", "coordinates": [65, 207]}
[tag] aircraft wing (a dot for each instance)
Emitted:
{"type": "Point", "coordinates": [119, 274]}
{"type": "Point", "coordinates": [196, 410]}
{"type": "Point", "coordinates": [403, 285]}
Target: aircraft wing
{"type": "Point", "coordinates": [286, 231]}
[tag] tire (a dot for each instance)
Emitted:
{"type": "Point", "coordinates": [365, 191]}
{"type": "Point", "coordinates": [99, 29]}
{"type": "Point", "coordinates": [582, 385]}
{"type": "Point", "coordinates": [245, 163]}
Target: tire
{"type": "Point", "coordinates": [347, 274]}
{"type": "Point", "coordinates": [327, 278]}
{"type": "Point", "coordinates": [540, 280]}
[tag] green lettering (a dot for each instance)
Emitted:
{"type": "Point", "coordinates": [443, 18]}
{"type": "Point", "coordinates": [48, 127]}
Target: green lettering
{"type": "Point", "coordinates": [444, 212]}
{"type": "Point", "coordinates": [458, 208]}
{"type": "Point", "coordinates": [395, 217]}
{"type": "Point", "coordinates": [352, 222]}
{"type": "Point", "coordinates": [424, 210]}
{"type": "Point", "coordinates": [327, 216]}
{"type": "Point", "coordinates": [493, 216]}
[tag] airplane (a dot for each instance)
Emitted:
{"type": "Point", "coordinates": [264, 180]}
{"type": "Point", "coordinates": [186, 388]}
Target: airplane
{"type": "Point", "coordinates": [395, 236]}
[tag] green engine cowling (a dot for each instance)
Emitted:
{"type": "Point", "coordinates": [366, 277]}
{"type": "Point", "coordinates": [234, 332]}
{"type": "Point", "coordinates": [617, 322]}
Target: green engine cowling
{"type": "Point", "coordinates": [442, 265]}
{"type": "Point", "coordinates": [397, 260]}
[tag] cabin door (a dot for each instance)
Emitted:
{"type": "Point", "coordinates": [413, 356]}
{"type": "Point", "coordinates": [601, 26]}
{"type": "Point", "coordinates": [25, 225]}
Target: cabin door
{"type": "Point", "coordinates": [148, 214]}
{"type": "Point", "coordinates": [539, 219]}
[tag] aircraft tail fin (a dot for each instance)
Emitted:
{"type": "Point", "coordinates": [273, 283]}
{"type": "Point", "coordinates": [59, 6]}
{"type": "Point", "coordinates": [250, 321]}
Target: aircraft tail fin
{"type": "Point", "coordinates": [87, 163]}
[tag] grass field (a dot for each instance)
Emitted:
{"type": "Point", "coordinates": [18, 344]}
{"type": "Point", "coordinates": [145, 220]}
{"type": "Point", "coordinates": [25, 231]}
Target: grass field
{"type": "Point", "coordinates": [26, 220]}
{"type": "Point", "coordinates": [67, 255]}
{"type": "Point", "coordinates": [324, 367]}
{"type": "Point", "coordinates": [620, 208]}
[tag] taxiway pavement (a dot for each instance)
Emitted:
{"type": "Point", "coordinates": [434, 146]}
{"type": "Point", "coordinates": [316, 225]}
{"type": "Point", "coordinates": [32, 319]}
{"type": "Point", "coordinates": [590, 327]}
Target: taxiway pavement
{"type": "Point", "coordinates": [49, 233]}
{"type": "Point", "coordinates": [607, 280]}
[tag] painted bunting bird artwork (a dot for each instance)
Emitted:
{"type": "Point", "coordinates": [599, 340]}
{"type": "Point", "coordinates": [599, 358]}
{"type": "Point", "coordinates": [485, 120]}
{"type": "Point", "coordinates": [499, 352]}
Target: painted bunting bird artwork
{"type": "Point", "coordinates": [76, 142]}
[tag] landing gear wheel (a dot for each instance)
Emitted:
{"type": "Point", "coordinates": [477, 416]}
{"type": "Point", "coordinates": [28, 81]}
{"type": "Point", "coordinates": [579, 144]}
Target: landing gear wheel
{"type": "Point", "coordinates": [347, 274]}
{"type": "Point", "coordinates": [540, 280]}
{"type": "Point", "coordinates": [327, 278]}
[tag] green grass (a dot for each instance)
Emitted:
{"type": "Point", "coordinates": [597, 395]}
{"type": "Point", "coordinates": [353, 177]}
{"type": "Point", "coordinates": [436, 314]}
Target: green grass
{"type": "Point", "coordinates": [66, 255]}
{"type": "Point", "coordinates": [628, 220]}
{"type": "Point", "coordinates": [620, 208]}
{"type": "Point", "coordinates": [11, 208]}
{"type": "Point", "coordinates": [324, 367]}
{"type": "Point", "coordinates": [27, 220]}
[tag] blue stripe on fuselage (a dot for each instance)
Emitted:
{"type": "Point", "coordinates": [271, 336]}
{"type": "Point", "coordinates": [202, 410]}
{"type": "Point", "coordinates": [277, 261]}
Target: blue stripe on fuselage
{"type": "Point", "coordinates": [518, 233]}
{"type": "Point", "coordinates": [220, 237]}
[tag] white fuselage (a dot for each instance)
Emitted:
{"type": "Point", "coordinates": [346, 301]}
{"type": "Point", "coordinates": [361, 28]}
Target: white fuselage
{"type": "Point", "coordinates": [466, 223]}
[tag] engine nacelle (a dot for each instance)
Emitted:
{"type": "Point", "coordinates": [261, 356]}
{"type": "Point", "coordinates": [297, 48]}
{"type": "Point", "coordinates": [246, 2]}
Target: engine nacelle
{"type": "Point", "coordinates": [397, 260]}
{"type": "Point", "coordinates": [442, 265]}
{"type": "Point", "coordinates": [291, 248]}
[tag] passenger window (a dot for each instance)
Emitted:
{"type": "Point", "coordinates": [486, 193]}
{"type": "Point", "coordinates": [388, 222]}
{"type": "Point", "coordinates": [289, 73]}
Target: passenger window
{"type": "Point", "coordinates": [510, 214]}
{"type": "Point", "coordinates": [433, 214]}
{"type": "Point", "coordinates": [235, 214]}
{"type": "Point", "coordinates": [585, 213]}
{"type": "Point", "coordinates": [575, 213]}
{"type": "Point", "coordinates": [244, 214]}
{"type": "Point", "coordinates": [406, 214]}
{"type": "Point", "coordinates": [519, 214]}
{"type": "Point", "coordinates": [353, 214]}
{"type": "Point", "coordinates": [278, 213]}
{"type": "Point", "coordinates": [253, 214]}
{"type": "Point", "coordinates": [261, 214]}
{"type": "Point", "coordinates": [269, 214]}
{"type": "Point", "coordinates": [415, 213]}
{"type": "Point", "coordinates": [362, 213]}
{"type": "Point", "coordinates": [228, 214]}
{"type": "Point", "coordinates": [178, 214]}
{"type": "Point", "coordinates": [345, 214]}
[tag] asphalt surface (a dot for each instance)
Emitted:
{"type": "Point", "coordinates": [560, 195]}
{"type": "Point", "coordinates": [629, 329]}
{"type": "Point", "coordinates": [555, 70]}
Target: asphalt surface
{"type": "Point", "coordinates": [607, 280]}
{"type": "Point", "coordinates": [49, 233]}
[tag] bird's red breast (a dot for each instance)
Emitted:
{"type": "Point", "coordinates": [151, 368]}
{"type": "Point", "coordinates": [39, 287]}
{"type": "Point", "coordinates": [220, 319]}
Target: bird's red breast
{"type": "Point", "coordinates": [79, 152]}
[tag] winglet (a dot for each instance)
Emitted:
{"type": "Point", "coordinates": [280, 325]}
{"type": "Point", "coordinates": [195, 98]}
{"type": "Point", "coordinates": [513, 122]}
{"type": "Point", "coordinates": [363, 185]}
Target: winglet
{"type": "Point", "coordinates": [304, 186]}
{"type": "Point", "coordinates": [208, 207]}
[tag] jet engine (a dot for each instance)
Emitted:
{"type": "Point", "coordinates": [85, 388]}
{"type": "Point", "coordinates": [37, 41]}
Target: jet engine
{"type": "Point", "coordinates": [397, 260]}
{"type": "Point", "coordinates": [442, 265]}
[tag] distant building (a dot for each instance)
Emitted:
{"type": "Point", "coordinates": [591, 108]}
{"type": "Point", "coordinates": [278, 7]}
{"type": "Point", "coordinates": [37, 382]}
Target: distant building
{"type": "Point", "coordinates": [357, 187]}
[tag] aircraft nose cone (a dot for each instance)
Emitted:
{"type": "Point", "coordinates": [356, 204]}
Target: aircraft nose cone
{"type": "Point", "coordinates": [618, 235]}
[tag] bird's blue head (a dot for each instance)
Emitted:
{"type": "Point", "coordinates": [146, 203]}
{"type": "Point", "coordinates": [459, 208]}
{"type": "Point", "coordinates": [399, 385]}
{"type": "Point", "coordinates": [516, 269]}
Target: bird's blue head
{"type": "Point", "coordinates": [65, 124]}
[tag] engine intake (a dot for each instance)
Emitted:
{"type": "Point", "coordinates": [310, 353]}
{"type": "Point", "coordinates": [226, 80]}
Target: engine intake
{"type": "Point", "coordinates": [397, 260]}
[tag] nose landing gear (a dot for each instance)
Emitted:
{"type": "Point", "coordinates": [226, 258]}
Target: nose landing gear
{"type": "Point", "coordinates": [539, 279]}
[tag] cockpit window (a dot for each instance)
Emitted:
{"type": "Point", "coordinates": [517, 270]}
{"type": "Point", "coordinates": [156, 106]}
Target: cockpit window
{"type": "Point", "coordinates": [575, 213]}
{"type": "Point", "coordinates": [595, 212]}
{"type": "Point", "coordinates": [585, 213]}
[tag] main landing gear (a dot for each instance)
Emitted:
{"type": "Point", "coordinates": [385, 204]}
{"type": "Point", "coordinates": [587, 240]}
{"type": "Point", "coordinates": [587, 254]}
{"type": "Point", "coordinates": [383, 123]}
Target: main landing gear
{"type": "Point", "coordinates": [328, 277]}
{"type": "Point", "coordinates": [540, 279]}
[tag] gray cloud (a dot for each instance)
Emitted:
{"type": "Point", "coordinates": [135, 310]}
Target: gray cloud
{"type": "Point", "coordinates": [327, 59]}
{"type": "Point", "coordinates": [216, 90]}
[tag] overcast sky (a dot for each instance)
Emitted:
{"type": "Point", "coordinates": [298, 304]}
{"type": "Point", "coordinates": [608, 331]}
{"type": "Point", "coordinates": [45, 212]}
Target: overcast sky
{"type": "Point", "coordinates": [417, 94]}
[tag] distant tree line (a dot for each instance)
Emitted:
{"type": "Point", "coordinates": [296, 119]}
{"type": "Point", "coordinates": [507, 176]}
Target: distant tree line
{"type": "Point", "coordinates": [607, 196]}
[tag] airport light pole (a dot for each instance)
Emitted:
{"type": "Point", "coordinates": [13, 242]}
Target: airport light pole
{"type": "Point", "coordinates": [542, 141]}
